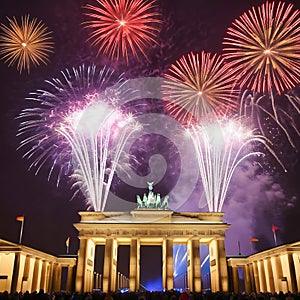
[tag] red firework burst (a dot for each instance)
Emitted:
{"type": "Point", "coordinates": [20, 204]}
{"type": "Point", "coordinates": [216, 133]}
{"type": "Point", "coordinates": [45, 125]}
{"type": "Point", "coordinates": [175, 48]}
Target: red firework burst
{"type": "Point", "coordinates": [120, 27]}
{"type": "Point", "coordinates": [198, 85]}
{"type": "Point", "coordinates": [263, 46]}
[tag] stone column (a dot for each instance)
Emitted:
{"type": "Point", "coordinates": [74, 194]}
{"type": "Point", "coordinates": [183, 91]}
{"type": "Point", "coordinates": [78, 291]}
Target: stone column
{"type": "Point", "coordinates": [269, 275]}
{"type": "Point", "coordinates": [59, 269]}
{"type": "Point", "coordinates": [43, 276]}
{"type": "Point", "coordinates": [69, 286]}
{"type": "Point", "coordinates": [252, 281]}
{"type": "Point", "coordinates": [16, 275]}
{"type": "Point", "coordinates": [292, 274]}
{"type": "Point", "coordinates": [256, 277]}
{"type": "Point", "coordinates": [50, 272]}
{"type": "Point", "coordinates": [26, 274]}
{"type": "Point", "coordinates": [297, 268]}
{"type": "Point", "coordinates": [107, 265]}
{"type": "Point", "coordinates": [81, 265]}
{"type": "Point", "coordinates": [235, 278]}
{"type": "Point", "coordinates": [36, 275]}
{"type": "Point", "coordinates": [118, 280]}
{"type": "Point", "coordinates": [114, 265]}
{"type": "Point", "coordinates": [121, 281]}
{"type": "Point", "coordinates": [262, 276]}
{"type": "Point", "coordinates": [124, 283]}
{"type": "Point", "coordinates": [30, 274]}
{"type": "Point", "coordinates": [277, 272]}
{"type": "Point", "coordinates": [247, 279]}
{"type": "Point", "coordinates": [214, 276]}
{"type": "Point", "coordinates": [88, 282]}
{"type": "Point", "coordinates": [134, 276]}
{"type": "Point", "coordinates": [221, 264]}
{"type": "Point", "coordinates": [95, 280]}
{"type": "Point", "coordinates": [194, 266]}
{"type": "Point", "coordinates": [56, 278]}
{"type": "Point", "coordinates": [100, 281]}
{"type": "Point", "coordinates": [164, 265]}
{"type": "Point", "coordinates": [169, 264]}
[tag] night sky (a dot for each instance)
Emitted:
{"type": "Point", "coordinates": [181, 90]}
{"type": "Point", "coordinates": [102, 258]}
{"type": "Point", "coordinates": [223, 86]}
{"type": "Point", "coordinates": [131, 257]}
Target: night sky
{"type": "Point", "coordinates": [259, 196]}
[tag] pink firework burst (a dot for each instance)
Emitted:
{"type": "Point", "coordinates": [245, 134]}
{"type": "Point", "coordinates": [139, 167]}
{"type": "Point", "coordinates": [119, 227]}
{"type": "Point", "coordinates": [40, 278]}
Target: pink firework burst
{"type": "Point", "coordinates": [263, 46]}
{"type": "Point", "coordinates": [121, 27]}
{"type": "Point", "coordinates": [199, 85]}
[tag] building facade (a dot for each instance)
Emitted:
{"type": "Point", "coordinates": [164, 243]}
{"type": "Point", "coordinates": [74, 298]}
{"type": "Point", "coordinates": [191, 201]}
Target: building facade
{"type": "Point", "coordinates": [26, 269]}
{"type": "Point", "coordinates": [273, 270]}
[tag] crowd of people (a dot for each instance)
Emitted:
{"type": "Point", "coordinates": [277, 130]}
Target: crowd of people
{"type": "Point", "coordinates": [168, 295]}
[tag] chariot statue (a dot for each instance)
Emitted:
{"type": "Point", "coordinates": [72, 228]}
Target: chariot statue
{"type": "Point", "coordinates": [152, 200]}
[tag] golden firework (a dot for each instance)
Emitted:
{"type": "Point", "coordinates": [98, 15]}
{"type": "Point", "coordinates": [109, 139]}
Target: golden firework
{"type": "Point", "coordinates": [263, 46]}
{"type": "Point", "coordinates": [198, 85]}
{"type": "Point", "coordinates": [26, 43]}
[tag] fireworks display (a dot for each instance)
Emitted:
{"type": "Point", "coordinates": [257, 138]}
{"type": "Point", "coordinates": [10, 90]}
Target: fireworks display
{"type": "Point", "coordinates": [77, 128]}
{"type": "Point", "coordinates": [220, 146]}
{"type": "Point", "coordinates": [122, 27]}
{"type": "Point", "coordinates": [97, 144]}
{"type": "Point", "coordinates": [267, 120]}
{"type": "Point", "coordinates": [25, 44]}
{"type": "Point", "coordinates": [263, 47]}
{"type": "Point", "coordinates": [192, 140]}
{"type": "Point", "coordinates": [199, 85]}
{"type": "Point", "coordinates": [76, 123]}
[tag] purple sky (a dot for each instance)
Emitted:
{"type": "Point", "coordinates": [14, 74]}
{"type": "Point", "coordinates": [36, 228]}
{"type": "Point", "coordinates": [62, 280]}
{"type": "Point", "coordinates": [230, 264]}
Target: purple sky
{"type": "Point", "coordinates": [257, 199]}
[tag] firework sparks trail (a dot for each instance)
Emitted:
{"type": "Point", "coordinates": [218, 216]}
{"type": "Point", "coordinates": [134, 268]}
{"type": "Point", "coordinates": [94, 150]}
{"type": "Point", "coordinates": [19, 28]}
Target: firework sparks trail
{"type": "Point", "coordinates": [78, 130]}
{"type": "Point", "coordinates": [220, 147]}
{"type": "Point", "coordinates": [161, 124]}
{"type": "Point", "coordinates": [199, 85]}
{"type": "Point", "coordinates": [63, 129]}
{"type": "Point", "coordinates": [253, 105]}
{"type": "Point", "coordinates": [25, 44]}
{"type": "Point", "coordinates": [263, 47]}
{"type": "Point", "coordinates": [121, 27]}
{"type": "Point", "coordinates": [97, 149]}
{"type": "Point", "coordinates": [180, 260]}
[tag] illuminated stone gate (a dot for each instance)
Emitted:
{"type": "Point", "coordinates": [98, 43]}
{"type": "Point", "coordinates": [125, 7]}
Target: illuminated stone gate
{"type": "Point", "coordinates": [150, 227]}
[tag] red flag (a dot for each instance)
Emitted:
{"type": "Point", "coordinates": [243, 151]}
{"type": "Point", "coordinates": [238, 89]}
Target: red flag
{"type": "Point", "coordinates": [274, 228]}
{"type": "Point", "coordinates": [254, 240]}
{"type": "Point", "coordinates": [20, 218]}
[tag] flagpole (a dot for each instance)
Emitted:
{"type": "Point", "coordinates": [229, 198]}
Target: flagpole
{"type": "Point", "coordinates": [274, 228]}
{"type": "Point", "coordinates": [274, 234]}
{"type": "Point", "coordinates": [239, 247]}
{"type": "Point", "coordinates": [21, 232]}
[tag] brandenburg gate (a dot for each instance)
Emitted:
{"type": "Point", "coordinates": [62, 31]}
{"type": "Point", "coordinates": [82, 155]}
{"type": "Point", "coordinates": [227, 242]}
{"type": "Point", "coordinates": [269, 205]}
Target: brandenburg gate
{"type": "Point", "coordinates": [161, 227]}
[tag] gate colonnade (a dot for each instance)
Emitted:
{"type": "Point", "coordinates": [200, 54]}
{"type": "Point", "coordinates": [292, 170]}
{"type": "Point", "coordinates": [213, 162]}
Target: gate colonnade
{"type": "Point", "coordinates": [150, 227]}
{"type": "Point", "coordinates": [26, 269]}
{"type": "Point", "coordinates": [272, 270]}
